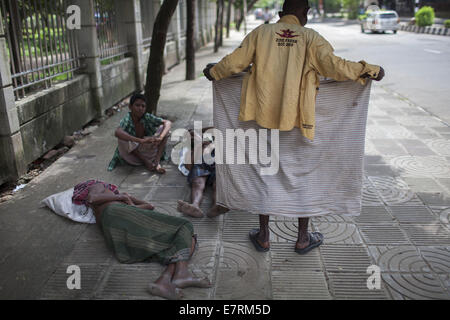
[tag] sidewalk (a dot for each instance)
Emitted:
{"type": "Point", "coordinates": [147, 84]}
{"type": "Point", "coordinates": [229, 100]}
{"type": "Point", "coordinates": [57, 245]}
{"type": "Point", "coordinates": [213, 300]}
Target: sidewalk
{"type": "Point", "coordinates": [404, 227]}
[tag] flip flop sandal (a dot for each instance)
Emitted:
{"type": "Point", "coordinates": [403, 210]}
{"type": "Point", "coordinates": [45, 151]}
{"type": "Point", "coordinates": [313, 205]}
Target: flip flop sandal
{"type": "Point", "coordinates": [315, 240]}
{"type": "Point", "coordinates": [252, 235]}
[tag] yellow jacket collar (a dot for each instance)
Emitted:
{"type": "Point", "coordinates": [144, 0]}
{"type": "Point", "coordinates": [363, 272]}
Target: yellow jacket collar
{"type": "Point", "coordinates": [289, 18]}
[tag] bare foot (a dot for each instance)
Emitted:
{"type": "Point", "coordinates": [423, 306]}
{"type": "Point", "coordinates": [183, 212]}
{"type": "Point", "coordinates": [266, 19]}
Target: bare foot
{"type": "Point", "coordinates": [166, 290]}
{"type": "Point", "coordinates": [190, 281]}
{"type": "Point", "coordinates": [160, 169]}
{"type": "Point", "coordinates": [216, 210]}
{"type": "Point", "coordinates": [189, 209]}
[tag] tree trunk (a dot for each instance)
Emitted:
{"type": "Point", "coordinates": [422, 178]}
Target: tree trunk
{"type": "Point", "coordinates": [221, 22]}
{"type": "Point", "coordinates": [155, 67]}
{"type": "Point", "coordinates": [230, 5]}
{"type": "Point", "coordinates": [190, 40]}
{"type": "Point", "coordinates": [241, 18]}
{"type": "Point", "coordinates": [219, 9]}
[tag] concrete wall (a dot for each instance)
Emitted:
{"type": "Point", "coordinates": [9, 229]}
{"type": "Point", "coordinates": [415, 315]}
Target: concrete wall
{"type": "Point", "coordinates": [32, 126]}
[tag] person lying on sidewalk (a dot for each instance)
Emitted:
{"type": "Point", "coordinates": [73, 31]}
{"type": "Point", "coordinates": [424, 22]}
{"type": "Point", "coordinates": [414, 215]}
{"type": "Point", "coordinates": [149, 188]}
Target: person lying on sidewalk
{"type": "Point", "coordinates": [136, 233]}
{"type": "Point", "coordinates": [200, 176]}
{"type": "Point", "coordinates": [142, 137]}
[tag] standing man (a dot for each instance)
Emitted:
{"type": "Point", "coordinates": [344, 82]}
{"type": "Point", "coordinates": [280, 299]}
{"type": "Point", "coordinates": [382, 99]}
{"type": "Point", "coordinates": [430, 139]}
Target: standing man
{"type": "Point", "coordinates": [279, 91]}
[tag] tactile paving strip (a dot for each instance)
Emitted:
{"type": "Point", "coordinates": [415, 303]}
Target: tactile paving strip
{"type": "Point", "coordinates": [296, 285]}
{"type": "Point", "coordinates": [283, 231]}
{"type": "Point", "coordinates": [383, 234]}
{"type": "Point", "coordinates": [345, 258]}
{"type": "Point", "coordinates": [347, 286]}
{"type": "Point", "coordinates": [286, 259]}
{"type": "Point", "coordinates": [437, 257]}
{"type": "Point", "coordinates": [374, 215]}
{"type": "Point", "coordinates": [427, 235]}
{"type": "Point", "coordinates": [338, 232]}
{"type": "Point", "coordinates": [398, 259]}
{"type": "Point", "coordinates": [414, 286]}
{"type": "Point", "coordinates": [394, 191]}
{"type": "Point", "coordinates": [413, 215]}
{"type": "Point", "coordinates": [90, 277]}
{"type": "Point", "coordinates": [205, 256]}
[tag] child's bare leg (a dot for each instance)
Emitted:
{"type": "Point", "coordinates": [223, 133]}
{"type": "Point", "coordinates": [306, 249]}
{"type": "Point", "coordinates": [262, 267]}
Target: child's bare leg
{"type": "Point", "coordinates": [197, 188]}
{"type": "Point", "coordinates": [163, 286]}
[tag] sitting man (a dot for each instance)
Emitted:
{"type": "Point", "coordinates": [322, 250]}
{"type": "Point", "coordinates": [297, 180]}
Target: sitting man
{"type": "Point", "coordinates": [141, 136]}
{"type": "Point", "coordinates": [136, 233]}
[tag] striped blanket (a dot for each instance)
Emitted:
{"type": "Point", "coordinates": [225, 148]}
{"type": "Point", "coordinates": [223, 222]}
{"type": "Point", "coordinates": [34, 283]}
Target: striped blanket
{"type": "Point", "coordinates": [137, 235]}
{"type": "Point", "coordinates": [314, 178]}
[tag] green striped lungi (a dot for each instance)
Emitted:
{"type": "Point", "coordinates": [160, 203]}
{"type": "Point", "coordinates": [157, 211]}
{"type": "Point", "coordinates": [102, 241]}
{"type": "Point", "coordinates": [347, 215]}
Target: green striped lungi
{"type": "Point", "coordinates": [136, 234]}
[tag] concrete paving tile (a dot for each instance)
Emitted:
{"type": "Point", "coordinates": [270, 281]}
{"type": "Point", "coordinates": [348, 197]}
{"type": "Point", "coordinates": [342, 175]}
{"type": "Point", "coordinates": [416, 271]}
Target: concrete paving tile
{"type": "Point", "coordinates": [380, 170]}
{"type": "Point", "coordinates": [437, 257]}
{"type": "Point", "coordinates": [206, 255]}
{"type": "Point", "coordinates": [417, 215]}
{"type": "Point", "coordinates": [338, 233]}
{"type": "Point", "coordinates": [244, 284]}
{"type": "Point", "coordinates": [92, 251]}
{"type": "Point", "coordinates": [284, 231]}
{"type": "Point", "coordinates": [373, 215]}
{"type": "Point", "coordinates": [417, 184]}
{"type": "Point", "coordinates": [129, 282]}
{"type": "Point", "coordinates": [439, 146]}
{"type": "Point", "coordinates": [444, 215]}
{"type": "Point", "coordinates": [383, 234]}
{"type": "Point", "coordinates": [394, 191]}
{"type": "Point", "coordinates": [435, 166]}
{"type": "Point", "coordinates": [295, 285]}
{"type": "Point", "coordinates": [56, 287]}
{"type": "Point", "coordinates": [166, 193]}
{"type": "Point", "coordinates": [416, 286]}
{"type": "Point", "coordinates": [334, 218]}
{"type": "Point", "coordinates": [445, 182]}
{"type": "Point", "coordinates": [207, 228]}
{"type": "Point", "coordinates": [400, 132]}
{"type": "Point", "coordinates": [92, 232]}
{"type": "Point", "coordinates": [389, 147]}
{"type": "Point", "coordinates": [398, 259]}
{"type": "Point", "coordinates": [345, 258]}
{"type": "Point", "coordinates": [284, 258]}
{"type": "Point", "coordinates": [370, 196]}
{"type": "Point", "coordinates": [172, 177]}
{"type": "Point", "coordinates": [243, 257]}
{"type": "Point", "coordinates": [445, 280]}
{"type": "Point", "coordinates": [427, 235]}
{"type": "Point", "coordinates": [416, 147]}
{"type": "Point", "coordinates": [435, 198]}
{"type": "Point", "coordinates": [237, 226]}
{"type": "Point", "coordinates": [352, 286]}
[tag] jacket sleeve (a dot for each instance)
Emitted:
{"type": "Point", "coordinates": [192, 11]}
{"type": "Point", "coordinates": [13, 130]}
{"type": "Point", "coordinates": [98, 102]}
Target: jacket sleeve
{"type": "Point", "coordinates": [238, 60]}
{"type": "Point", "coordinates": [323, 60]}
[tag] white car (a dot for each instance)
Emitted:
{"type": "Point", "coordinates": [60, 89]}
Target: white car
{"type": "Point", "coordinates": [381, 21]}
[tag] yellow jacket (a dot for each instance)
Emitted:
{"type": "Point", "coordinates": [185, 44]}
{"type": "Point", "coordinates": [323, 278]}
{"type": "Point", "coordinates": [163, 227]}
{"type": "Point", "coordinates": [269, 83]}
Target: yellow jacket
{"type": "Point", "coordinates": [279, 91]}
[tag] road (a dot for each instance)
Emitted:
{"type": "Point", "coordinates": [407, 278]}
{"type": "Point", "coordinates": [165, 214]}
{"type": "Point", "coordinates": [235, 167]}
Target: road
{"type": "Point", "coordinates": [417, 66]}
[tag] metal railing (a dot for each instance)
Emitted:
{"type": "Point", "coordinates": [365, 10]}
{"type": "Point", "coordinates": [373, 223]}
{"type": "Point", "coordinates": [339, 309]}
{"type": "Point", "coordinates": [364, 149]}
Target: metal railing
{"type": "Point", "coordinates": [111, 39]}
{"type": "Point", "coordinates": [41, 48]}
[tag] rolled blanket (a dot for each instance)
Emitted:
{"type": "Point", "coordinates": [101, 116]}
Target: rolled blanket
{"type": "Point", "coordinates": [311, 178]}
{"type": "Point", "coordinates": [137, 235]}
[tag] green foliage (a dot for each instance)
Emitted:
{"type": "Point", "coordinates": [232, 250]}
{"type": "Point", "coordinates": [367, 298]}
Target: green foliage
{"type": "Point", "coordinates": [352, 7]}
{"type": "Point", "coordinates": [332, 6]}
{"type": "Point", "coordinates": [425, 16]}
{"type": "Point", "coordinates": [361, 17]}
{"type": "Point", "coordinates": [447, 23]}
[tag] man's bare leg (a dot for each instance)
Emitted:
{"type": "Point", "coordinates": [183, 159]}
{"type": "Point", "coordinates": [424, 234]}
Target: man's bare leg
{"type": "Point", "coordinates": [303, 238]}
{"type": "Point", "coordinates": [197, 187]}
{"type": "Point", "coordinates": [263, 234]}
{"type": "Point", "coordinates": [163, 286]}
{"type": "Point", "coordinates": [215, 209]}
{"type": "Point", "coordinates": [182, 277]}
